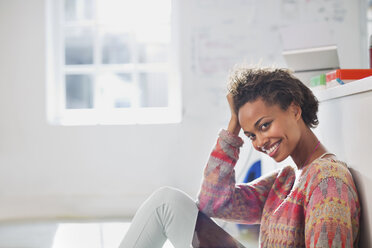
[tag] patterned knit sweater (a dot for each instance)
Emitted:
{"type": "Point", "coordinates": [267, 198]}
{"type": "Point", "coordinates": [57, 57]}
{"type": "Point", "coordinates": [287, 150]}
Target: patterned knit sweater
{"type": "Point", "coordinates": [319, 208]}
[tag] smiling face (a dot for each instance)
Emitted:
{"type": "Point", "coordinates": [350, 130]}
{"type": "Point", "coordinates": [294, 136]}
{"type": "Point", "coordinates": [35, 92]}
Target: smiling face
{"type": "Point", "coordinates": [272, 130]}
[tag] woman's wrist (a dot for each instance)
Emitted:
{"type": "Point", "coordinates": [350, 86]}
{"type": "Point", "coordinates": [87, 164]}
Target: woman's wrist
{"type": "Point", "coordinates": [230, 138]}
{"type": "Point", "coordinates": [234, 126]}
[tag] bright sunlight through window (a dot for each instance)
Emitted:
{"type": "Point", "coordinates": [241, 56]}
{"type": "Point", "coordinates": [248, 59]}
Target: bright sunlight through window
{"type": "Point", "coordinates": [111, 62]}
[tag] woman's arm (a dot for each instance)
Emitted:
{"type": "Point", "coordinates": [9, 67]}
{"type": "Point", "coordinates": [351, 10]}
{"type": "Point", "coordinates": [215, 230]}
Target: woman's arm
{"type": "Point", "coordinates": [234, 126]}
{"type": "Point", "coordinates": [220, 197]}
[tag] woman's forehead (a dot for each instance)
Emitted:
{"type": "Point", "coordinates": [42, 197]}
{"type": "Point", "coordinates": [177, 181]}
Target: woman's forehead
{"type": "Point", "coordinates": [251, 112]}
{"type": "Point", "coordinates": [258, 107]}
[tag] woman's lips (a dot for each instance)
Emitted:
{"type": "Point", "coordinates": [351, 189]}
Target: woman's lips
{"type": "Point", "coordinates": [273, 149]}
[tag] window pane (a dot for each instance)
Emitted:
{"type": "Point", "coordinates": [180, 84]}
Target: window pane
{"type": "Point", "coordinates": [153, 53]}
{"type": "Point", "coordinates": [116, 48]}
{"type": "Point", "coordinates": [118, 90]}
{"type": "Point", "coordinates": [138, 14]}
{"type": "Point", "coordinates": [79, 91]}
{"type": "Point", "coordinates": [78, 46]}
{"type": "Point", "coordinates": [154, 89]}
{"type": "Point", "coordinates": [78, 10]}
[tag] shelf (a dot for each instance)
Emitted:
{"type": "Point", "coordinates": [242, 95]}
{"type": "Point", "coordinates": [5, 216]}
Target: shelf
{"type": "Point", "coordinates": [355, 87]}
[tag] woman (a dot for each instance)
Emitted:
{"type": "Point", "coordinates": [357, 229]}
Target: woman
{"type": "Point", "coordinates": [313, 205]}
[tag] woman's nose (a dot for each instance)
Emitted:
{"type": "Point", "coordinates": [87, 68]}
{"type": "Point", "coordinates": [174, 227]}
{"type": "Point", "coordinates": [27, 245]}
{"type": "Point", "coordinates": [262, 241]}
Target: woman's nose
{"type": "Point", "coordinates": [262, 141]}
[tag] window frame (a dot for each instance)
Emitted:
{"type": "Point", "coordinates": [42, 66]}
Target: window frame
{"type": "Point", "coordinates": [58, 114]}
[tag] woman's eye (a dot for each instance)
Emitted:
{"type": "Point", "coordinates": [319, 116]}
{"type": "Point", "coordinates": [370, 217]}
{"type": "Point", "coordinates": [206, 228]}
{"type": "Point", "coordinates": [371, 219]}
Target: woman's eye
{"type": "Point", "coordinates": [251, 136]}
{"type": "Point", "coordinates": [265, 125]}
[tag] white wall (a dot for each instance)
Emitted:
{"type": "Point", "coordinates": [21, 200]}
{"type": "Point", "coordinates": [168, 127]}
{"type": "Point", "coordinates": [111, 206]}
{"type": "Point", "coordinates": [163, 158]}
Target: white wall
{"type": "Point", "coordinates": [345, 129]}
{"type": "Point", "coordinates": [82, 171]}
{"type": "Point", "coordinates": [54, 171]}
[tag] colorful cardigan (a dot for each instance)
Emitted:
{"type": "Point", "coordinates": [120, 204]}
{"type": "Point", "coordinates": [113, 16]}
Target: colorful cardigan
{"type": "Point", "coordinates": [319, 208]}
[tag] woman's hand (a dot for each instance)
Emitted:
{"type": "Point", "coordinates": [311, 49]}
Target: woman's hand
{"type": "Point", "coordinates": [234, 126]}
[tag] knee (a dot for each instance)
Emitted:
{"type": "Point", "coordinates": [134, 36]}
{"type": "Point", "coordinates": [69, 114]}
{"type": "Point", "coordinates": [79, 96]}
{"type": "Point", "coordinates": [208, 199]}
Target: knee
{"type": "Point", "coordinates": [170, 195]}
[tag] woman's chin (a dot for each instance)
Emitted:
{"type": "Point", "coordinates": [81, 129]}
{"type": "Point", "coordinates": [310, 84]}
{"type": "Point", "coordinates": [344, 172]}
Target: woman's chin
{"type": "Point", "coordinates": [279, 159]}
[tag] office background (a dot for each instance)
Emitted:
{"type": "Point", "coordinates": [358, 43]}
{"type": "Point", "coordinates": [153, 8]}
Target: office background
{"type": "Point", "coordinates": [52, 171]}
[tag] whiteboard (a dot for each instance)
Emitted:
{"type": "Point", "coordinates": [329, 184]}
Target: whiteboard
{"type": "Point", "coordinates": [224, 33]}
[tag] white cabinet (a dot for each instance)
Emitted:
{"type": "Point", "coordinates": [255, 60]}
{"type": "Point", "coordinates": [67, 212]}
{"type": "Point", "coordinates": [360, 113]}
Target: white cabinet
{"type": "Point", "coordinates": [345, 117]}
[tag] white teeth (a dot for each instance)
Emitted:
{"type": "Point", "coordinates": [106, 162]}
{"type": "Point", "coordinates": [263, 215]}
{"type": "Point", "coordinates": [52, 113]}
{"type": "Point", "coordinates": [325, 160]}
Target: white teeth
{"type": "Point", "coordinates": [272, 148]}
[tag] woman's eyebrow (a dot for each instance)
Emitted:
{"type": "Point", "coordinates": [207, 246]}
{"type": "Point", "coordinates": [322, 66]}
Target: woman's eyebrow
{"type": "Point", "coordinates": [256, 124]}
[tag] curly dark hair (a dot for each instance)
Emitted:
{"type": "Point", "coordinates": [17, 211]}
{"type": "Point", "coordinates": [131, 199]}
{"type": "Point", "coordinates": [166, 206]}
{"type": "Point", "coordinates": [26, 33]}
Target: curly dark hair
{"type": "Point", "coordinates": [273, 86]}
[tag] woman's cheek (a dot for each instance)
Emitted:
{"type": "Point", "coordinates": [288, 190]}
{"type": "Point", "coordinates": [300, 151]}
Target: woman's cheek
{"type": "Point", "coordinates": [275, 131]}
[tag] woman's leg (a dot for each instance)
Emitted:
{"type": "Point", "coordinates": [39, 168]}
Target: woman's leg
{"type": "Point", "coordinates": [168, 214]}
{"type": "Point", "coordinates": [210, 235]}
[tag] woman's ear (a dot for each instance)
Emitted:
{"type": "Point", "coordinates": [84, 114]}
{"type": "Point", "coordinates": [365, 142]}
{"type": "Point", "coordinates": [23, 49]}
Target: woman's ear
{"type": "Point", "coordinates": [296, 110]}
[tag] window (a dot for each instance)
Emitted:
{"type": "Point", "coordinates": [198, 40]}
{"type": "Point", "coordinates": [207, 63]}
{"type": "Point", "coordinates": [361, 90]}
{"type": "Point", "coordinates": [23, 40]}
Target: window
{"type": "Point", "coordinates": [111, 62]}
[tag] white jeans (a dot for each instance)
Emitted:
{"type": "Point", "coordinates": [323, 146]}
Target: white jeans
{"type": "Point", "coordinates": [167, 214]}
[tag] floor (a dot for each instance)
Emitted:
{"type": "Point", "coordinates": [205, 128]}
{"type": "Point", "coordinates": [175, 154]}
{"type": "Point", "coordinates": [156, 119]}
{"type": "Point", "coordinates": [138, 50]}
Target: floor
{"type": "Point", "coordinates": [100, 234]}
{"type": "Point", "coordinates": [64, 235]}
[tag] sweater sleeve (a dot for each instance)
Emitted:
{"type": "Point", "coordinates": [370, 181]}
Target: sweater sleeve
{"type": "Point", "coordinates": [332, 213]}
{"type": "Point", "coordinates": [219, 195]}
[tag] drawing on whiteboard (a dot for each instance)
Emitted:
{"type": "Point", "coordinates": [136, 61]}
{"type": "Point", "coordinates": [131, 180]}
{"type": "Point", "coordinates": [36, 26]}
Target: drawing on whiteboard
{"type": "Point", "coordinates": [249, 31]}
